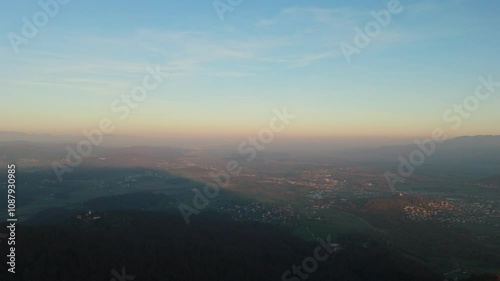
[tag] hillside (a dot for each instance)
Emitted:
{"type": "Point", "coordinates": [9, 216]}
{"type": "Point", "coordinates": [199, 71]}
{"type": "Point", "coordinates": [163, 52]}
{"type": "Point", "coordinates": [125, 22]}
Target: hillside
{"type": "Point", "coordinates": [155, 246]}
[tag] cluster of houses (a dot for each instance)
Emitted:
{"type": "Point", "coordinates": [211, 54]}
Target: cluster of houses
{"type": "Point", "coordinates": [88, 217]}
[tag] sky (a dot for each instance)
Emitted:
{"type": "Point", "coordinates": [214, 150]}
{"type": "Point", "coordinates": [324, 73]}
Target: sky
{"type": "Point", "coordinates": [224, 76]}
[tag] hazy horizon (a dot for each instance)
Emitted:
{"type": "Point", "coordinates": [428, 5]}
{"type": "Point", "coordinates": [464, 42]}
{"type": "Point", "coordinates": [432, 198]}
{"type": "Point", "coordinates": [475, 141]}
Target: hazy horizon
{"type": "Point", "coordinates": [282, 142]}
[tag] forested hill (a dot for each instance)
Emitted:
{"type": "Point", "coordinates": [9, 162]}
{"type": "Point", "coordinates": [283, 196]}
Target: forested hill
{"type": "Point", "coordinates": [160, 246]}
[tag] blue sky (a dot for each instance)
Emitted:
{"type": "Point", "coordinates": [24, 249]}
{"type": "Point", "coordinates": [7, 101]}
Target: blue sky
{"type": "Point", "coordinates": [226, 76]}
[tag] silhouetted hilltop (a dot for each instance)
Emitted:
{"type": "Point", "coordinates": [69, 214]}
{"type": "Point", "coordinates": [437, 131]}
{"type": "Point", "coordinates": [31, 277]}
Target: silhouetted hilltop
{"type": "Point", "coordinates": [154, 246]}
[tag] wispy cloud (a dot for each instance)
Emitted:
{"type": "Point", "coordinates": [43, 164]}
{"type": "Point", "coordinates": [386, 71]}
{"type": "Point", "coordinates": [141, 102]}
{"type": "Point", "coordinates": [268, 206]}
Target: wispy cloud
{"type": "Point", "coordinates": [231, 74]}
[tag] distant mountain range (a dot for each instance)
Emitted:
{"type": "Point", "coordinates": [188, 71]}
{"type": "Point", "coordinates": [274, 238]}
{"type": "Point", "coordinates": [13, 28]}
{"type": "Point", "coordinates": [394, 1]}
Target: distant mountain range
{"type": "Point", "coordinates": [32, 154]}
{"type": "Point", "coordinates": [469, 153]}
{"type": "Point", "coordinates": [17, 137]}
{"type": "Point", "coordinates": [114, 140]}
{"type": "Point", "coordinates": [474, 154]}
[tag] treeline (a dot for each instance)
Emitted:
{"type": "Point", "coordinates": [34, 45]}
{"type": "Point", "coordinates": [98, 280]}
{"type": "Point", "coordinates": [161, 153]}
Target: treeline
{"type": "Point", "coordinates": [160, 246]}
